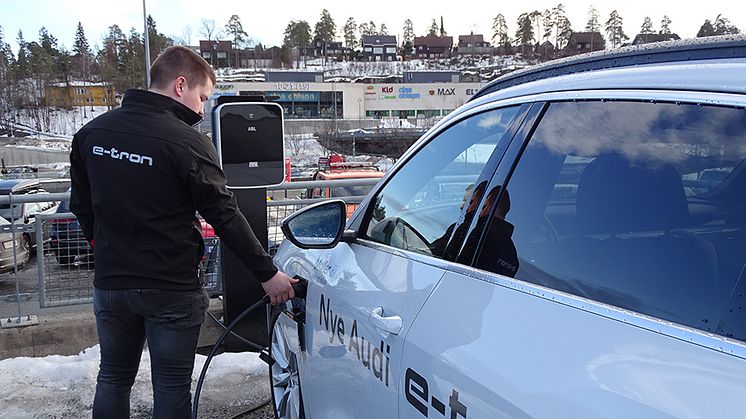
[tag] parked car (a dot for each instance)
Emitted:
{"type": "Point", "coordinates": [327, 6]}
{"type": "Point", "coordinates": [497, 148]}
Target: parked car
{"type": "Point", "coordinates": [537, 254]}
{"type": "Point", "coordinates": [6, 248]}
{"type": "Point", "coordinates": [67, 240]}
{"type": "Point", "coordinates": [25, 213]}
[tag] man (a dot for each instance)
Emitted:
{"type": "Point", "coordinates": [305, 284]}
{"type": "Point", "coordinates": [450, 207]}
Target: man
{"type": "Point", "coordinates": [139, 173]}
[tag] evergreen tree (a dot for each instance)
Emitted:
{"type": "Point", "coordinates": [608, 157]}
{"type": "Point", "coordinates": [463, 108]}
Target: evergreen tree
{"type": "Point", "coordinates": [647, 26]}
{"type": "Point", "coordinates": [325, 29]}
{"type": "Point", "coordinates": [157, 41]}
{"type": "Point", "coordinates": [7, 62]}
{"type": "Point", "coordinates": [536, 20]}
{"type": "Point", "coordinates": [593, 25]}
{"type": "Point", "coordinates": [561, 26]}
{"type": "Point", "coordinates": [372, 28]}
{"type": "Point", "coordinates": [665, 25]}
{"type": "Point", "coordinates": [614, 29]}
{"type": "Point", "coordinates": [364, 30]}
{"type": "Point", "coordinates": [132, 62]}
{"type": "Point", "coordinates": [524, 35]}
{"type": "Point", "coordinates": [500, 37]}
{"type": "Point", "coordinates": [548, 22]}
{"type": "Point", "coordinates": [234, 29]}
{"type": "Point", "coordinates": [383, 30]}
{"type": "Point", "coordinates": [434, 29]}
{"type": "Point", "coordinates": [350, 33]}
{"type": "Point", "coordinates": [408, 31]}
{"type": "Point", "coordinates": [22, 64]}
{"type": "Point", "coordinates": [297, 35]}
{"type": "Point", "coordinates": [442, 30]}
{"type": "Point", "coordinates": [109, 58]}
{"type": "Point", "coordinates": [82, 56]}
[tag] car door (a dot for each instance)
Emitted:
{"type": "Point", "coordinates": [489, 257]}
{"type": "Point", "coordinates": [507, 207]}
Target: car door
{"type": "Point", "coordinates": [363, 295]}
{"type": "Point", "coordinates": [609, 280]}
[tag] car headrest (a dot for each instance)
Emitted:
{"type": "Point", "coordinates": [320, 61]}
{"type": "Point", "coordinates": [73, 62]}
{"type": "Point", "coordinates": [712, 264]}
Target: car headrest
{"type": "Point", "coordinates": [616, 195]}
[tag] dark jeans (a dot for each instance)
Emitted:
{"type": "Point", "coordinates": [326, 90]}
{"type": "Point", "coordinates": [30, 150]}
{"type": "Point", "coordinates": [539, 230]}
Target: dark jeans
{"type": "Point", "coordinates": [170, 321]}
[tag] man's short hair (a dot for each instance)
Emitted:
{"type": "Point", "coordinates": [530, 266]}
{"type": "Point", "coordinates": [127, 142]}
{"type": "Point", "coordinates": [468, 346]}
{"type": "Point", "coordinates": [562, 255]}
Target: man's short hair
{"type": "Point", "coordinates": [178, 61]}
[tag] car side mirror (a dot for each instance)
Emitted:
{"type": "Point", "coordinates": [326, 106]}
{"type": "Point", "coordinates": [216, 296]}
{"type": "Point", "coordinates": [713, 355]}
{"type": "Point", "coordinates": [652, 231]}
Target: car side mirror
{"type": "Point", "coordinates": [317, 226]}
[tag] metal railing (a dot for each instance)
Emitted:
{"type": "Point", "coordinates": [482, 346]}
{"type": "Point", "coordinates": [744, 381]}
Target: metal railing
{"type": "Point", "coordinates": [64, 267]}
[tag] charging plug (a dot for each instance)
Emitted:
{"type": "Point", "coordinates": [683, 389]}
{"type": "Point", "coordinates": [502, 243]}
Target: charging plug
{"type": "Point", "coordinates": [301, 287]}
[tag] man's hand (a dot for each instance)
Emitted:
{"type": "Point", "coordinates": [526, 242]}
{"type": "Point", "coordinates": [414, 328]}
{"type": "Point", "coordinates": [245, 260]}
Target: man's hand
{"type": "Point", "coordinates": [279, 288]}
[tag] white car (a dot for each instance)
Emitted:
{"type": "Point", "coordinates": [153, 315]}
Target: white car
{"type": "Point", "coordinates": [555, 248]}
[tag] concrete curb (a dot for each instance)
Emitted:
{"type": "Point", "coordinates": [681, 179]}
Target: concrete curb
{"type": "Point", "coordinates": [70, 333]}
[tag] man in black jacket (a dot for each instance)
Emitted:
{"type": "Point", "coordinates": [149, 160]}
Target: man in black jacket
{"type": "Point", "coordinates": [139, 174]}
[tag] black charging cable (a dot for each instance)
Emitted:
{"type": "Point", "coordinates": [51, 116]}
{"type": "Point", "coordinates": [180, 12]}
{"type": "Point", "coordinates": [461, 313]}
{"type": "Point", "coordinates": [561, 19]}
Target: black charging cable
{"type": "Point", "coordinates": [300, 292]}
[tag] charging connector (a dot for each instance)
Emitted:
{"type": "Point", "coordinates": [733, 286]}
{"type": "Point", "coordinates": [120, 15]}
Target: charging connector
{"type": "Point", "coordinates": [299, 289]}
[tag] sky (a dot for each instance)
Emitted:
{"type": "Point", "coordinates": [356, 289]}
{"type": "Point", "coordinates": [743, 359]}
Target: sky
{"type": "Point", "coordinates": [265, 21]}
{"type": "Point", "coordinates": [63, 386]}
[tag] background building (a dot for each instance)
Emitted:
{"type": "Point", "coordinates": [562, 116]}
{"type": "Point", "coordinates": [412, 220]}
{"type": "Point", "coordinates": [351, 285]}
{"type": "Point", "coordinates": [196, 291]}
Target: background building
{"type": "Point", "coordinates": [433, 46]}
{"type": "Point", "coordinates": [474, 45]}
{"type": "Point", "coordinates": [582, 42]}
{"type": "Point", "coordinates": [79, 93]}
{"type": "Point", "coordinates": [379, 48]}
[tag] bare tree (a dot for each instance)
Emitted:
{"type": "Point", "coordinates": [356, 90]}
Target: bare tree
{"type": "Point", "coordinates": [186, 35]}
{"type": "Point", "coordinates": [208, 29]}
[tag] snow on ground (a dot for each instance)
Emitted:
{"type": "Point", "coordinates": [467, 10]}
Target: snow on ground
{"type": "Point", "coordinates": [55, 122]}
{"type": "Point", "coordinates": [63, 386]}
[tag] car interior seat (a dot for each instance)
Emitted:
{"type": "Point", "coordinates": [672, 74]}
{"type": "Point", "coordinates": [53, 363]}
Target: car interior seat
{"type": "Point", "coordinates": [630, 250]}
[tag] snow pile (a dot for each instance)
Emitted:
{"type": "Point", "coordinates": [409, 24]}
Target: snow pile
{"type": "Point", "coordinates": [63, 386]}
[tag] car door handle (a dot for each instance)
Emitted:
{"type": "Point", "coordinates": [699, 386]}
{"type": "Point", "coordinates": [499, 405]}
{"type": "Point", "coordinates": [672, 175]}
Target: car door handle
{"type": "Point", "coordinates": [391, 324]}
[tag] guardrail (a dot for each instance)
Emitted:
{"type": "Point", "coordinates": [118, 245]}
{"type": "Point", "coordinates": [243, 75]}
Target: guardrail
{"type": "Point", "coordinates": [64, 267]}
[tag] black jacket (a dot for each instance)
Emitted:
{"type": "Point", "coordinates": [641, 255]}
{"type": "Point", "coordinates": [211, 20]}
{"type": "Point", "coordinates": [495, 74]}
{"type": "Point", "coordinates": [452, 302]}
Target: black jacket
{"type": "Point", "coordinates": [138, 174]}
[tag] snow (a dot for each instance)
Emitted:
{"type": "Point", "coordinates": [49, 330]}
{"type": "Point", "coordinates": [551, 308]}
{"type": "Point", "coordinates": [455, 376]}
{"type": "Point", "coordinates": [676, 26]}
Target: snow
{"type": "Point", "coordinates": [54, 122]}
{"type": "Point", "coordinates": [58, 386]}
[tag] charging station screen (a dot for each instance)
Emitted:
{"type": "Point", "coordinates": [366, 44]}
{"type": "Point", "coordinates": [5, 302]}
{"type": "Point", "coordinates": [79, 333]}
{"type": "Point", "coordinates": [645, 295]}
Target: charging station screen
{"type": "Point", "coordinates": [251, 144]}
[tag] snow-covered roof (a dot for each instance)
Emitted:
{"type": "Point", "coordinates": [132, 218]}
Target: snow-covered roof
{"type": "Point", "coordinates": [81, 83]}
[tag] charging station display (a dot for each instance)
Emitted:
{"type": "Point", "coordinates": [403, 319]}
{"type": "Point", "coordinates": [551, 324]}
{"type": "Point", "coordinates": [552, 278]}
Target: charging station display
{"type": "Point", "coordinates": [248, 138]}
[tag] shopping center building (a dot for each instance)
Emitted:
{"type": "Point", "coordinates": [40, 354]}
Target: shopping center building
{"type": "Point", "coordinates": [341, 100]}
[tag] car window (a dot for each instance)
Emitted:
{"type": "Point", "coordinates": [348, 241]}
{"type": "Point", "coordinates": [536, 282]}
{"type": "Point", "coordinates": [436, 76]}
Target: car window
{"type": "Point", "coordinates": [637, 205]}
{"type": "Point", "coordinates": [420, 204]}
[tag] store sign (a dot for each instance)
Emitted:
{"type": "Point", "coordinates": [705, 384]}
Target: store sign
{"type": "Point", "coordinates": [471, 92]}
{"type": "Point", "coordinates": [370, 90]}
{"type": "Point", "coordinates": [407, 93]}
{"type": "Point", "coordinates": [295, 96]}
{"type": "Point", "coordinates": [223, 86]}
{"type": "Point", "coordinates": [443, 92]}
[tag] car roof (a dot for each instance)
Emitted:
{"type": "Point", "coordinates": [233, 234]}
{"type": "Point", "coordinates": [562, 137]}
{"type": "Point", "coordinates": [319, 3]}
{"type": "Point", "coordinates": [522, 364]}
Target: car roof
{"type": "Point", "coordinates": [714, 64]}
{"type": "Point", "coordinates": [16, 185]}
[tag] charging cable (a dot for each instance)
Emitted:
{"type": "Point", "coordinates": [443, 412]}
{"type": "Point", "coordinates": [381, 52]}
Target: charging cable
{"type": "Point", "coordinates": [300, 292]}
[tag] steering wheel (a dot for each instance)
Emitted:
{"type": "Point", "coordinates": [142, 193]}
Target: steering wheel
{"type": "Point", "coordinates": [406, 237]}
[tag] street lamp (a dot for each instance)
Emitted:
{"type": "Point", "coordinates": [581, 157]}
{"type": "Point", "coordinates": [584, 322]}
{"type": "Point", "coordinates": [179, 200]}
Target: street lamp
{"type": "Point", "coordinates": [359, 113]}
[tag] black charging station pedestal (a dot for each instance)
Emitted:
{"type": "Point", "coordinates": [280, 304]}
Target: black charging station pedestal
{"type": "Point", "coordinates": [248, 135]}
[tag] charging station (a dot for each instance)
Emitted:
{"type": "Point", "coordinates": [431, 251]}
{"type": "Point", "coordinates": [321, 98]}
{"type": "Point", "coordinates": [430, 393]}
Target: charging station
{"type": "Point", "coordinates": [248, 135]}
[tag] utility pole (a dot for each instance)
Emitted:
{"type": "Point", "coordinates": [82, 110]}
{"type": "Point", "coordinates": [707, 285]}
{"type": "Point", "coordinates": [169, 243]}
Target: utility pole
{"type": "Point", "coordinates": [147, 46]}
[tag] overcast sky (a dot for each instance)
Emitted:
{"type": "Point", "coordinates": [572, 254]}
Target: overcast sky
{"type": "Point", "coordinates": [265, 21]}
